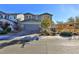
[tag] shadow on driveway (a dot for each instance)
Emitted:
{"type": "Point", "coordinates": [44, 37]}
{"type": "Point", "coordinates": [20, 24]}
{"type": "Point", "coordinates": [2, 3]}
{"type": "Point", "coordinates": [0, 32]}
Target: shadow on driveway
{"type": "Point", "coordinates": [21, 41]}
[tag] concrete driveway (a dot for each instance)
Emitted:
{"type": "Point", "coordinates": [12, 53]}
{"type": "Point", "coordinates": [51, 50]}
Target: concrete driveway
{"type": "Point", "coordinates": [46, 45]}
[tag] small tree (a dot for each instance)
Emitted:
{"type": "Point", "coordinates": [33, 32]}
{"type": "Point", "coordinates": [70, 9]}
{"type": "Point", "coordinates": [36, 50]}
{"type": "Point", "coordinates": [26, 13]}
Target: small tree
{"type": "Point", "coordinates": [70, 20]}
{"type": "Point", "coordinates": [46, 25]}
{"type": "Point", "coordinates": [77, 19]}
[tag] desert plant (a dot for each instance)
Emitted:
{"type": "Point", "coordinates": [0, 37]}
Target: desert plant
{"type": "Point", "coordinates": [46, 26]}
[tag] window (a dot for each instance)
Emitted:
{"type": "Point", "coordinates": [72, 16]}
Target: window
{"type": "Point", "coordinates": [26, 17]}
{"type": "Point", "coordinates": [11, 17]}
{"type": "Point", "coordinates": [36, 17]}
{"type": "Point", "coordinates": [29, 17]}
{"type": "Point", "coordinates": [46, 17]}
{"type": "Point", "coordinates": [0, 23]}
{"type": "Point", "coordinates": [0, 16]}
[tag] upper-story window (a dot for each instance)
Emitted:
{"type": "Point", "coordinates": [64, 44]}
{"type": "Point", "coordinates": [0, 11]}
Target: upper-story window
{"type": "Point", "coordinates": [46, 17]}
{"type": "Point", "coordinates": [1, 16]}
{"type": "Point", "coordinates": [26, 17]}
{"type": "Point", "coordinates": [37, 17]}
{"type": "Point", "coordinates": [29, 17]}
{"type": "Point", "coordinates": [0, 23]}
{"type": "Point", "coordinates": [11, 17]}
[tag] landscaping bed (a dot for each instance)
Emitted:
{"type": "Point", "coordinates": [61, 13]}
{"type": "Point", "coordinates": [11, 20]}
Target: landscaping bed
{"type": "Point", "coordinates": [66, 34]}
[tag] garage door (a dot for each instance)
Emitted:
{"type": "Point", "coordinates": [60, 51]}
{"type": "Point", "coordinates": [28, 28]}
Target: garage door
{"type": "Point", "coordinates": [31, 28]}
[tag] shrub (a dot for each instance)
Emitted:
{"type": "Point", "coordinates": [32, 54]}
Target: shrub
{"type": "Point", "coordinates": [46, 24]}
{"type": "Point", "coordinates": [45, 33]}
{"type": "Point", "coordinates": [8, 30]}
{"type": "Point", "coordinates": [2, 33]}
{"type": "Point", "coordinates": [5, 31]}
{"type": "Point", "coordinates": [53, 33]}
{"type": "Point", "coordinates": [75, 34]}
{"type": "Point", "coordinates": [66, 34]}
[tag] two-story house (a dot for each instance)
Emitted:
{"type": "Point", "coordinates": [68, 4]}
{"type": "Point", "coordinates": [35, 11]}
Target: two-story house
{"type": "Point", "coordinates": [32, 22]}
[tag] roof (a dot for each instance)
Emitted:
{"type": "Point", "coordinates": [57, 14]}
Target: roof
{"type": "Point", "coordinates": [1, 12]}
{"type": "Point", "coordinates": [28, 14]}
{"type": "Point", "coordinates": [46, 14]}
{"type": "Point", "coordinates": [13, 13]}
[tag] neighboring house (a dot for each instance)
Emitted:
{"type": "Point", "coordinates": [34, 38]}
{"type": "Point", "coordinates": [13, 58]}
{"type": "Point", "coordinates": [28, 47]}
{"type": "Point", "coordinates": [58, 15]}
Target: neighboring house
{"type": "Point", "coordinates": [9, 18]}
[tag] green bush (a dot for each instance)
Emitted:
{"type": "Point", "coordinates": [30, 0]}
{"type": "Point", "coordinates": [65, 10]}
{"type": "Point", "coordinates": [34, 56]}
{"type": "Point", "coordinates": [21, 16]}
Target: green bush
{"type": "Point", "coordinates": [66, 34]}
{"type": "Point", "coordinates": [8, 30]}
{"type": "Point", "coordinates": [5, 31]}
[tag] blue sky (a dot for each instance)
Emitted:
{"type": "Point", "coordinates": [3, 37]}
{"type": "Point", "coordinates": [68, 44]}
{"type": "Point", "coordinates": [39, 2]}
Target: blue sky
{"type": "Point", "coordinates": [61, 12]}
